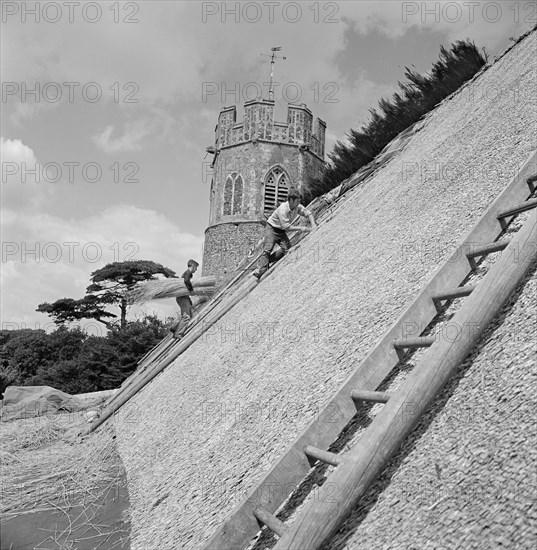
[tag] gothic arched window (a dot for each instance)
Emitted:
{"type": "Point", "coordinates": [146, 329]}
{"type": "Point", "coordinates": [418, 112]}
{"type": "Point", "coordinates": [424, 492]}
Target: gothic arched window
{"type": "Point", "coordinates": [228, 195]}
{"type": "Point", "coordinates": [233, 194]}
{"type": "Point", "coordinates": [276, 187]}
{"type": "Point", "coordinates": [237, 195]}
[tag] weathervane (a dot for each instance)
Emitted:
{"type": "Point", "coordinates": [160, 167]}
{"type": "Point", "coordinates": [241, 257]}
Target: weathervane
{"type": "Point", "coordinates": [273, 56]}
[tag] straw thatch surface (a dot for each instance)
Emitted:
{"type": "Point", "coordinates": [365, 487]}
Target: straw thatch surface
{"type": "Point", "coordinates": [47, 473]}
{"type": "Point", "coordinates": [207, 428]}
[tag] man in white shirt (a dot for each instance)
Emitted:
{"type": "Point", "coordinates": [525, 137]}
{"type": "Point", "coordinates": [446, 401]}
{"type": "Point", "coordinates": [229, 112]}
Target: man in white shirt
{"type": "Point", "coordinates": [280, 221]}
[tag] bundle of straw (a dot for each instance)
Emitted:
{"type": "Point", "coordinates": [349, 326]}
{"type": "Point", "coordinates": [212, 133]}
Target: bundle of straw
{"type": "Point", "coordinates": [169, 288]}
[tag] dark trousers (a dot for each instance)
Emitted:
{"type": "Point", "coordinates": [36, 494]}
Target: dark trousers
{"type": "Point", "coordinates": [185, 303]}
{"type": "Point", "coordinates": [272, 237]}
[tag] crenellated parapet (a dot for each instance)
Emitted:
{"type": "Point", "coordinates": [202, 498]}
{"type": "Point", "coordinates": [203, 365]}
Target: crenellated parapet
{"type": "Point", "coordinates": [259, 124]}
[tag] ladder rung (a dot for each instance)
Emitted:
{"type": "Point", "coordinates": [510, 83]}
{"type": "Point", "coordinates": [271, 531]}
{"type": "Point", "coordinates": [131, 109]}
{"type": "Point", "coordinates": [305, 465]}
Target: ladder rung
{"type": "Point", "coordinates": [323, 456]}
{"type": "Point", "coordinates": [270, 520]}
{"type": "Point", "coordinates": [374, 396]}
{"type": "Point", "coordinates": [488, 248]}
{"type": "Point", "coordinates": [452, 293]}
{"type": "Point", "coordinates": [417, 342]}
{"type": "Point", "coordinates": [528, 205]}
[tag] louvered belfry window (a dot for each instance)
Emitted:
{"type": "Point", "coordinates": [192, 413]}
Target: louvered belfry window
{"type": "Point", "coordinates": [233, 194]}
{"type": "Point", "coordinates": [275, 189]}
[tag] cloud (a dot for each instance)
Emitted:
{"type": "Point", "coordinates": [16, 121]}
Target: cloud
{"type": "Point", "coordinates": [153, 123]}
{"type": "Point", "coordinates": [487, 23]}
{"type": "Point", "coordinates": [47, 257]}
{"type": "Point", "coordinates": [184, 54]}
{"type": "Point", "coordinates": [73, 51]}
{"type": "Point", "coordinates": [22, 186]}
{"type": "Point", "coordinates": [13, 150]}
{"type": "Point", "coordinates": [131, 140]}
{"type": "Point", "coordinates": [27, 111]}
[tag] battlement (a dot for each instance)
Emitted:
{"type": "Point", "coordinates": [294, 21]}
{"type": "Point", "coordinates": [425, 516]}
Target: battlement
{"type": "Point", "coordinates": [258, 124]}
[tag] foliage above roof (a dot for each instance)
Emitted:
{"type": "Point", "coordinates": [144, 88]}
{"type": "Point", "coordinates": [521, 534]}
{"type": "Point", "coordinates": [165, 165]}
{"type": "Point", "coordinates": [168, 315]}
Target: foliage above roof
{"type": "Point", "coordinates": [417, 97]}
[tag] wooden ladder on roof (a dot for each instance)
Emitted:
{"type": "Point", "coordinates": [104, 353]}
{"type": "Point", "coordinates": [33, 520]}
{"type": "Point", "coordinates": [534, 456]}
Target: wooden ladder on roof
{"type": "Point", "coordinates": [353, 471]}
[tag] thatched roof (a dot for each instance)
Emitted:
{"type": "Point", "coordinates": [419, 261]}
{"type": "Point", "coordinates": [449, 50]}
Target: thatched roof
{"type": "Point", "coordinates": [196, 439]}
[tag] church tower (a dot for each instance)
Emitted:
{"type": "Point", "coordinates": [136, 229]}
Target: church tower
{"type": "Point", "coordinates": [255, 162]}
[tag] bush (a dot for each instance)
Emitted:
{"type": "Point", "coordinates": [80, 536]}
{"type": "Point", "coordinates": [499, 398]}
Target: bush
{"type": "Point", "coordinates": [71, 361]}
{"type": "Point", "coordinates": [417, 97]}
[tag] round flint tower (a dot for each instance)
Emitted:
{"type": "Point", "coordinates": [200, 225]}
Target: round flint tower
{"type": "Point", "coordinates": [255, 161]}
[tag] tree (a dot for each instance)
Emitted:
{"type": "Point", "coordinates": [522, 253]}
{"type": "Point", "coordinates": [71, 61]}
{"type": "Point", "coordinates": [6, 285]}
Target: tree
{"type": "Point", "coordinates": [112, 282]}
{"type": "Point", "coordinates": [71, 361]}
{"type": "Point", "coordinates": [28, 352]}
{"type": "Point", "coordinates": [110, 285]}
{"type": "Point", "coordinates": [67, 309]}
{"type": "Point", "coordinates": [417, 96]}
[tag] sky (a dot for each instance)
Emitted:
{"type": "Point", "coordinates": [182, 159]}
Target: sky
{"type": "Point", "coordinates": [108, 108]}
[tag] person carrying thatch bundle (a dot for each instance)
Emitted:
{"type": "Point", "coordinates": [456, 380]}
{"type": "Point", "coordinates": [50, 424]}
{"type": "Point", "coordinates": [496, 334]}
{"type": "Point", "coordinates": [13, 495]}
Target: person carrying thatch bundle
{"type": "Point", "coordinates": [280, 221]}
{"type": "Point", "coordinates": [184, 302]}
